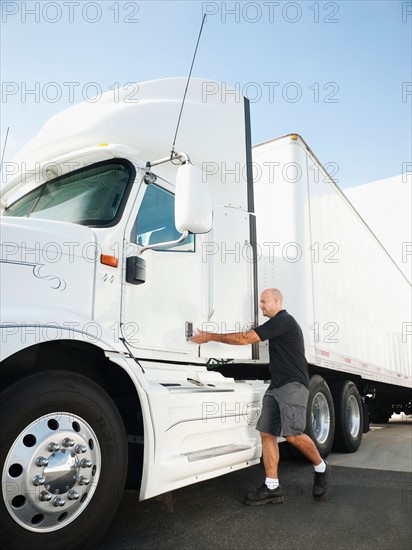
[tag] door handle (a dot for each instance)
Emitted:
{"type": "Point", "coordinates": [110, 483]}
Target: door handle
{"type": "Point", "coordinates": [188, 330]}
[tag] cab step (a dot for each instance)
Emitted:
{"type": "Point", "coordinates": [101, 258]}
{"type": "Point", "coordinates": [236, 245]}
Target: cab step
{"type": "Point", "coordinates": [212, 452]}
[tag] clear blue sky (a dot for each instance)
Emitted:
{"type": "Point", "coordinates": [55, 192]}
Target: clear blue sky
{"type": "Point", "coordinates": [341, 67]}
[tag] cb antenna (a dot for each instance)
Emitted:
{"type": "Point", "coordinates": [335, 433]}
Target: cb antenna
{"type": "Point", "coordinates": [172, 153]}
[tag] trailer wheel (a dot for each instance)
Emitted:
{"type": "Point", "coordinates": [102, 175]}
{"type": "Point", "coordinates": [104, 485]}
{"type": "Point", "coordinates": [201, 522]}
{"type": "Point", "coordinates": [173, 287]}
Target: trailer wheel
{"type": "Point", "coordinates": [348, 416]}
{"type": "Point", "coordinates": [320, 419]}
{"type": "Point", "coordinates": [378, 413]}
{"type": "Point", "coordinates": [63, 456]}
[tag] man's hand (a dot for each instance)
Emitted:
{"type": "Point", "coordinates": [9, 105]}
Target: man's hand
{"type": "Point", "coordinates": [202, 338]}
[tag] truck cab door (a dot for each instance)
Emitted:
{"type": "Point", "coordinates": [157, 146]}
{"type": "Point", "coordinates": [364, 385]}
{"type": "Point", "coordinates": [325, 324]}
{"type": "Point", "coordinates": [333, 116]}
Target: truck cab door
{"type": "Point", "coordinates": [156, 314]}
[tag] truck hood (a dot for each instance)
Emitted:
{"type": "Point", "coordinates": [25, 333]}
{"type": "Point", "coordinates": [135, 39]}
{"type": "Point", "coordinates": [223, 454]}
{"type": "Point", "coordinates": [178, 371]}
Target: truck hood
{"type": "Point", "coordinates": [45, 263]}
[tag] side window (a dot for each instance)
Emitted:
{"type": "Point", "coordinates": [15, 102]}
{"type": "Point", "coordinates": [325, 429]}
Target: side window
{"type": "Point", "coordinates": [155, 221]}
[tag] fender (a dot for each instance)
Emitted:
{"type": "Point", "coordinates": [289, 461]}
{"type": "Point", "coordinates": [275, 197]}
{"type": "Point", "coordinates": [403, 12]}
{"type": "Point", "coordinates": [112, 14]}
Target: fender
{"type": "Point", "coordinates": [135, 374]}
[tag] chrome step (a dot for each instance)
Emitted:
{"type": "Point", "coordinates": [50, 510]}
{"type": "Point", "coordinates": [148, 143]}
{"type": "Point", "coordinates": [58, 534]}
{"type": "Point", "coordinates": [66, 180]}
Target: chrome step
{"type": "Point", "coordinates": [215, 451]}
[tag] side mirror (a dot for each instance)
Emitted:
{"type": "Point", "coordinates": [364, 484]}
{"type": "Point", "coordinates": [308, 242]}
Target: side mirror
{"type": "Point", "coordinates": [193, 201]}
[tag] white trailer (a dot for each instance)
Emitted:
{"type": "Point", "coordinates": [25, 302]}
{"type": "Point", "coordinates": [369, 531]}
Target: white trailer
{"type": "Point", "coordinates": [351, 298]}
{"type": "Point", "coordinates": [100, 386]}
{"type": "Point", "coordinates": [392, 226]}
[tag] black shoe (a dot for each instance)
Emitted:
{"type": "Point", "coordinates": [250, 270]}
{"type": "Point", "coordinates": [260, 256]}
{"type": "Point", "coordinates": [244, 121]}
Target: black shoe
{"type": "Point", "coordinates": [321, 483]}
{"type": "Point", "coordinates": [263, 495]}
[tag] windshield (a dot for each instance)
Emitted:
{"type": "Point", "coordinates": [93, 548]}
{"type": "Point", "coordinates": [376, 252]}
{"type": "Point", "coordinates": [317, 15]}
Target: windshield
{"type": "Point", "coordinates": [91, 196]}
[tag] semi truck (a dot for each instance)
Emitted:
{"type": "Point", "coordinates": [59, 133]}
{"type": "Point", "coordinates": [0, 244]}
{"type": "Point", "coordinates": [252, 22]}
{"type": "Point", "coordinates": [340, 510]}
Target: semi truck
{"type": "Point", "coordinates": [116, 247]}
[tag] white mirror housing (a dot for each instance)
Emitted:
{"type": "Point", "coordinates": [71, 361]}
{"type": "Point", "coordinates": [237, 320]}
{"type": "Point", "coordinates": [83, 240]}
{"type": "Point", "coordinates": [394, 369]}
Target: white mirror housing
{"type": "Point", "coordinates": [193, 201]}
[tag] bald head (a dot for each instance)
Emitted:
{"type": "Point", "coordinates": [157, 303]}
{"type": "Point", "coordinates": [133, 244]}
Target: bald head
{"type": "Point", "coordinates": [271, 302]}
{"type": "Point", "coordinates": [275, 293]}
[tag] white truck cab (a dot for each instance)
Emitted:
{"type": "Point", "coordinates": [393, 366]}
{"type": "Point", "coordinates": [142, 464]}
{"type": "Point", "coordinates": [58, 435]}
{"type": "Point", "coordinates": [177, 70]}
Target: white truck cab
{"type": "Point", "coordinates": [106, 272]}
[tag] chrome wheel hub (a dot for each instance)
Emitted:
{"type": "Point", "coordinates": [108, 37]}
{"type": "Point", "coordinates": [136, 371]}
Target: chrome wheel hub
{"type": "Point", "coordinates": [320, 418]}
{"type": "Point", "coordinates": [353, 416]}
{"type": "Point", "coordinates": [51, 472]}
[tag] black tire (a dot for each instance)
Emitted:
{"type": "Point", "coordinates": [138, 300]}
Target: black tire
{"type": "Point", "coordinates": [348, 416]}
{"type": "Point", "coordinates": [378, 413]}
{"type": "Point", "coordinates": [320, 416]}
{"type": "Point", "coordinates": [68, 409]}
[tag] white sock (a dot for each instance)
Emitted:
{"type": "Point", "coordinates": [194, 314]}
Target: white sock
{"type": "Point", "coordinates": [320, 468]}
{"type": "Point", "coordinates": [271, 483]}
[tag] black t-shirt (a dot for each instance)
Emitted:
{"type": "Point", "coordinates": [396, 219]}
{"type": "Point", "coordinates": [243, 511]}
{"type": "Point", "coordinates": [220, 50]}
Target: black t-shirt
{"type": "Point", "coordinates": [286, 350]}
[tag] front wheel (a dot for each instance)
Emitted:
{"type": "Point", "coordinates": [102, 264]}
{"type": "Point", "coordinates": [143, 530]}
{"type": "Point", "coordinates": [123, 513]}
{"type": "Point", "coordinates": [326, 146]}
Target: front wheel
{"type": "Point", "coordinates": [63, 454]}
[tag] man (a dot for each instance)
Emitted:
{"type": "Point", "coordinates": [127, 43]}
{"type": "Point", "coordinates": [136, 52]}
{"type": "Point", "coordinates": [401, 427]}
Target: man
{"type": "Point", "coordinates": [285, 401]}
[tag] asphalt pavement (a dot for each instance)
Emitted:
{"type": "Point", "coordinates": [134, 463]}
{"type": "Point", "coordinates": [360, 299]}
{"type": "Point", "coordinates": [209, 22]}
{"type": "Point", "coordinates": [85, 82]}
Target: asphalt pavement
{"type": "Point", "coordinates": [366, 509]}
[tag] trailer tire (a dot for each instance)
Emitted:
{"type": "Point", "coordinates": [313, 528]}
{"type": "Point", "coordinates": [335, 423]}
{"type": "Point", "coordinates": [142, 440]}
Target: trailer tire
{"type": "Point", "coordinates": [63, 457]}
{"type": "Point", "coordinates": [320, 415]}
{"type": "Point", "coordinates": [378, 413]}
{"type": "Point", "coordinates": [348, 416]}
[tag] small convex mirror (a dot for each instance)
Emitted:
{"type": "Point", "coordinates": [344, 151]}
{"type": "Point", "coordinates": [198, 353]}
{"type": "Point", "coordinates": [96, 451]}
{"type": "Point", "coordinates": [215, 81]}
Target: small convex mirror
{"type": "Point", "coordinates": [193, 200]}
{"type": "Point", "coordinates": [135, 270]}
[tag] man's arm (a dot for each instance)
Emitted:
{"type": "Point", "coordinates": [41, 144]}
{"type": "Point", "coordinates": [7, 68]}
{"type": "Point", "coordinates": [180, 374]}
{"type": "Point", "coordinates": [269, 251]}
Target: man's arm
{"type": "Point", "coordinates": [233, 338]}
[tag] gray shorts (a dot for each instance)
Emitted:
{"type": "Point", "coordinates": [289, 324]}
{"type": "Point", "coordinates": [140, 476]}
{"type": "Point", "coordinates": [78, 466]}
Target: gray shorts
{"type": "Point", "coordinates": [284, 410]}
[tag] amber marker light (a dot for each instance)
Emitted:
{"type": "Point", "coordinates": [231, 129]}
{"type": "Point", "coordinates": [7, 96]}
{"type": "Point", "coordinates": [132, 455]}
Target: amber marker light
{"type": "Point", "coordinates": [112, 261]}
{"type": "Point", "coordinates": [294, 136]}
